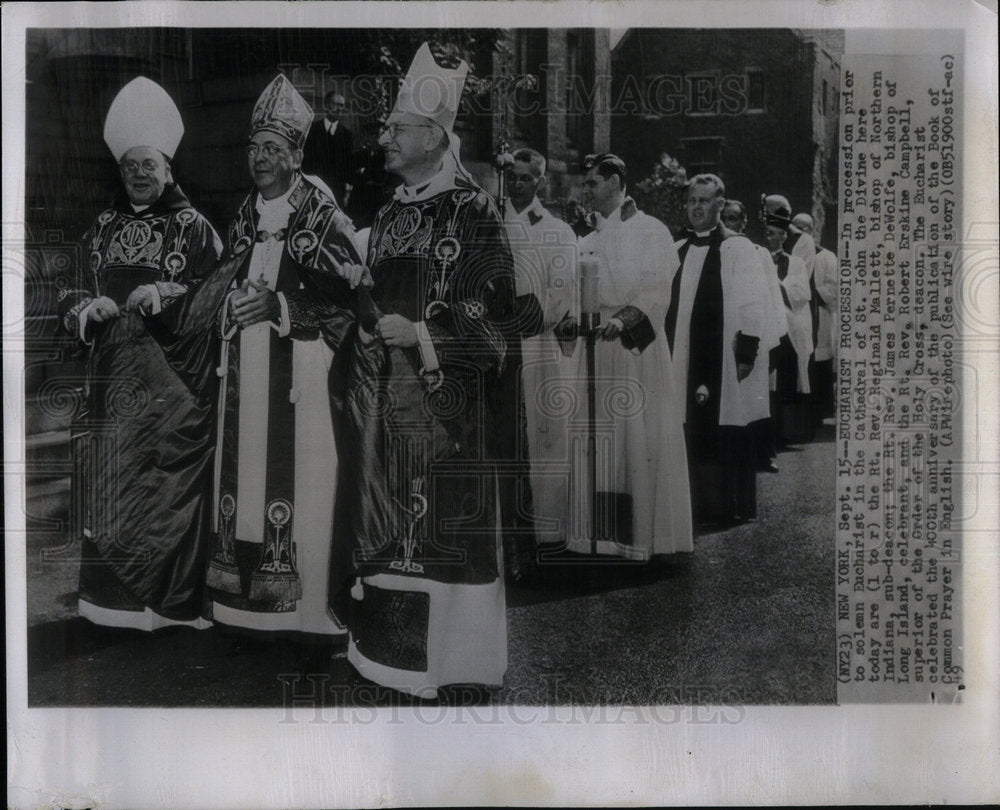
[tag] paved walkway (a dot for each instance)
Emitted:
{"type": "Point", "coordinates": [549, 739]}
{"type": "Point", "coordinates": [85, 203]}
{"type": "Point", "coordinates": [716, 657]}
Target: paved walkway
{"type": "Point", "coordinates": [747, 618]}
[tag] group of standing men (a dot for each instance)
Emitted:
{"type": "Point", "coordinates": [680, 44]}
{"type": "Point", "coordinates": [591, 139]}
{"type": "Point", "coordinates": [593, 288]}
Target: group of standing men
{"type": "Point", "coordinates": [314, 430]}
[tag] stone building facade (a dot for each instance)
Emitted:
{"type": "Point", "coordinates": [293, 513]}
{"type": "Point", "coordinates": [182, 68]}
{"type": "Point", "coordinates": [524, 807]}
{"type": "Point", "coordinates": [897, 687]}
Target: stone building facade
{"type": "Point", "coordinates": [758, 107]}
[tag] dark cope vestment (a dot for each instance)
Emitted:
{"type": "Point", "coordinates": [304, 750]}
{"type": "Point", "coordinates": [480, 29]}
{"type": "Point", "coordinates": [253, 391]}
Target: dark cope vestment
{"type": "Point", "coordinates": [417, 507]}
{"type": "Point", "coordinates": [142, 452]}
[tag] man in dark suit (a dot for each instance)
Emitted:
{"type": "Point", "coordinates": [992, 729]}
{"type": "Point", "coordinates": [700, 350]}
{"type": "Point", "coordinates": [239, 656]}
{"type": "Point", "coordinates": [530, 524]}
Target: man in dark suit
{"type": "Point", "coordinates": [329, 149]}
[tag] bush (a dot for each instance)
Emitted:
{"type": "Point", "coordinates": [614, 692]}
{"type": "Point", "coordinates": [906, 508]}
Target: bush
{"type": "Point", "coordinates": [661, 194]}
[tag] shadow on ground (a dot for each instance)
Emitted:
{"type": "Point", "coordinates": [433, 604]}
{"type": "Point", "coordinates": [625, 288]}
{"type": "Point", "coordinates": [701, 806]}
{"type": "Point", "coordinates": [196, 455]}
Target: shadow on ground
{"type": "Point", "coordinates": [747, 618]}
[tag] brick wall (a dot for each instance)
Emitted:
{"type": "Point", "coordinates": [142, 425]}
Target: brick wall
{"type": "Point", "coordinates": [762, 148]}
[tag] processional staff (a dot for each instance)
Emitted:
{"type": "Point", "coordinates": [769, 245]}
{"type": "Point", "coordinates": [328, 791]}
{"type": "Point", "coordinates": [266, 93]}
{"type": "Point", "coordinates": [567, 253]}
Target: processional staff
{"type": "Point", "coordinates": [590, 321]}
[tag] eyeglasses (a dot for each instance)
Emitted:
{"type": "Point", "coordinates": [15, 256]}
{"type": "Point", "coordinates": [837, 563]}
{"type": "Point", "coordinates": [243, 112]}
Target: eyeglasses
{"type": "Point", "coordinates": [392, 130]}
{"type": "Point", "coordinates": [270, 149]}
{"type": "Point", "coordinates": [132, 166]}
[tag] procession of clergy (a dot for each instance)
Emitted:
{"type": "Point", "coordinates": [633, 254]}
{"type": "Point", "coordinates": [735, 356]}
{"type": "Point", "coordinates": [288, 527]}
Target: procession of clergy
{"type": "Point", "coordinates": [300, 428]}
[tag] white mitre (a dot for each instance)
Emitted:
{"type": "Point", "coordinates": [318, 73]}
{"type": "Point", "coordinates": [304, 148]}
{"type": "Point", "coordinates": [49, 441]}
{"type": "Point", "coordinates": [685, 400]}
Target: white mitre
{"type": "Point", "coordinates": [432, 91]}
{"type": "Point", "coordinates": [143, 114]}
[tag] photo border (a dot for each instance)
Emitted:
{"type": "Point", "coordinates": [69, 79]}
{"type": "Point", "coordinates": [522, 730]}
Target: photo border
{"type": "Point", "coordinates": [79, 758]}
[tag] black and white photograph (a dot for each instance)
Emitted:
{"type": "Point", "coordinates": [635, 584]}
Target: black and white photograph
{"type": "Point", "coordinates": [388, 388]}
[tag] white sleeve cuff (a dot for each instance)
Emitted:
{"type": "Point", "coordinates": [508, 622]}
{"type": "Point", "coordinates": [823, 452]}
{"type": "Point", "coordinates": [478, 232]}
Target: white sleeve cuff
{"type": "Point", "coordinates": [82, 319]}
{"type": "Point", "coordinates": [157, 304]}
{"type": "Point", "coordinates": [427, 352]}
{"type": "Point", "coordinates": [284, 325]}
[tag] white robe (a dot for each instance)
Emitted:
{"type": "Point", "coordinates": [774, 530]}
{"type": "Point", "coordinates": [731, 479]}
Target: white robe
{"type": "Point", "coordinates": [775, 319]}
{"type": "Point", "coordinates": [640, 435]}
{"type": "Point", "coordinates": [545, 261]}
{"type": "Point", "coordinates": [804, 249]}
{"type": "Point", "coordinates": [825, 276]}
{"type": "Point", "coordinates": [796, 286]}
{"type": "Point", "coordinates": [744, 309]}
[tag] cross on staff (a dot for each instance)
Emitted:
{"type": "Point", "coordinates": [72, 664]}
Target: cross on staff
{"type": "Point", "coordinates": [502, 88]}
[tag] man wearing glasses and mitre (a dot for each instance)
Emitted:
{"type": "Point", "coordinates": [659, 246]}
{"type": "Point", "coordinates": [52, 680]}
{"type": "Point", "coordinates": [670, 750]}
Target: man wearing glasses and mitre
{"type": "Point", "coordinates": [264, 332]}
{"type": "Point", "coordinates": [420, 574]}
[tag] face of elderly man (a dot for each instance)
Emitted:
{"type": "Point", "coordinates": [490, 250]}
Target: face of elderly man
{"type": "Point", "coordinates": [704, 204]}
{"type": "Point", "coordinates": [273, 161]}
{"type": "Point", "coordinates": [145, 172]}
{"type": "Point", "coordinates": [404, 137]}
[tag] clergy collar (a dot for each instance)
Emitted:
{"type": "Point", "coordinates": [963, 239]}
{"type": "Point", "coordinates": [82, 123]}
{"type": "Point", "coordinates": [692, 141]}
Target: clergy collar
{"type": "Point", "coordinates": [425, 189]}
{"type": "Point", "coordinates": [623, 213]}
{"type": "Point", "coordinates": [172, 199]}
{"type": "Point", "coordinates": [278, 202]}
{"type": "Point", "coordinates": [715, 235]}
{"type": "Point", "coordinates": [532, 212]}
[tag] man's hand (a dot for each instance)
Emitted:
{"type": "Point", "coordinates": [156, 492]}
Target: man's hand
{"type": "Point", "coordinates": [102, 309]}
{"type": "Point", "coordinates": [355, 274]}
{"type": "Point", "coordinates": [395, 330]}
{"type": "Point", "coordinates": [239, 295]}
{"type": "Point", "coordinates": [141, 298]}
{"type": "Point", "coordinates": [566, 329]}
{"type": "Point", "coordinates": [257, 305]}
{"type": "Point", "coordinates": [743, 371]}
{"type": "Point", "coordinates": [701, 395]}
{"type": "Point", "coordinates": [611, 330]}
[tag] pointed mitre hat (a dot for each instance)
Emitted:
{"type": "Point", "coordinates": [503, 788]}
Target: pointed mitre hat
{"type": "Point", "coordinates": [432, 91]}
{"type": "Point", "coordinates": [282, 109]}
{"type": "Point", "coordinates": [143, 114]}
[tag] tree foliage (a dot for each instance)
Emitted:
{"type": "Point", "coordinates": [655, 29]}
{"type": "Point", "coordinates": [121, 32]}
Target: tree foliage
{"type": "Point", "coordinates": [661, 193]}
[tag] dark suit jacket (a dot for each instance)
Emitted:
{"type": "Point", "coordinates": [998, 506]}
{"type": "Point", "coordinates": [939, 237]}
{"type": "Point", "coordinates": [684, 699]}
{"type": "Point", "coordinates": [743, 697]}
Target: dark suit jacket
{"type": "Point", "coordinates": [330, 156]}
